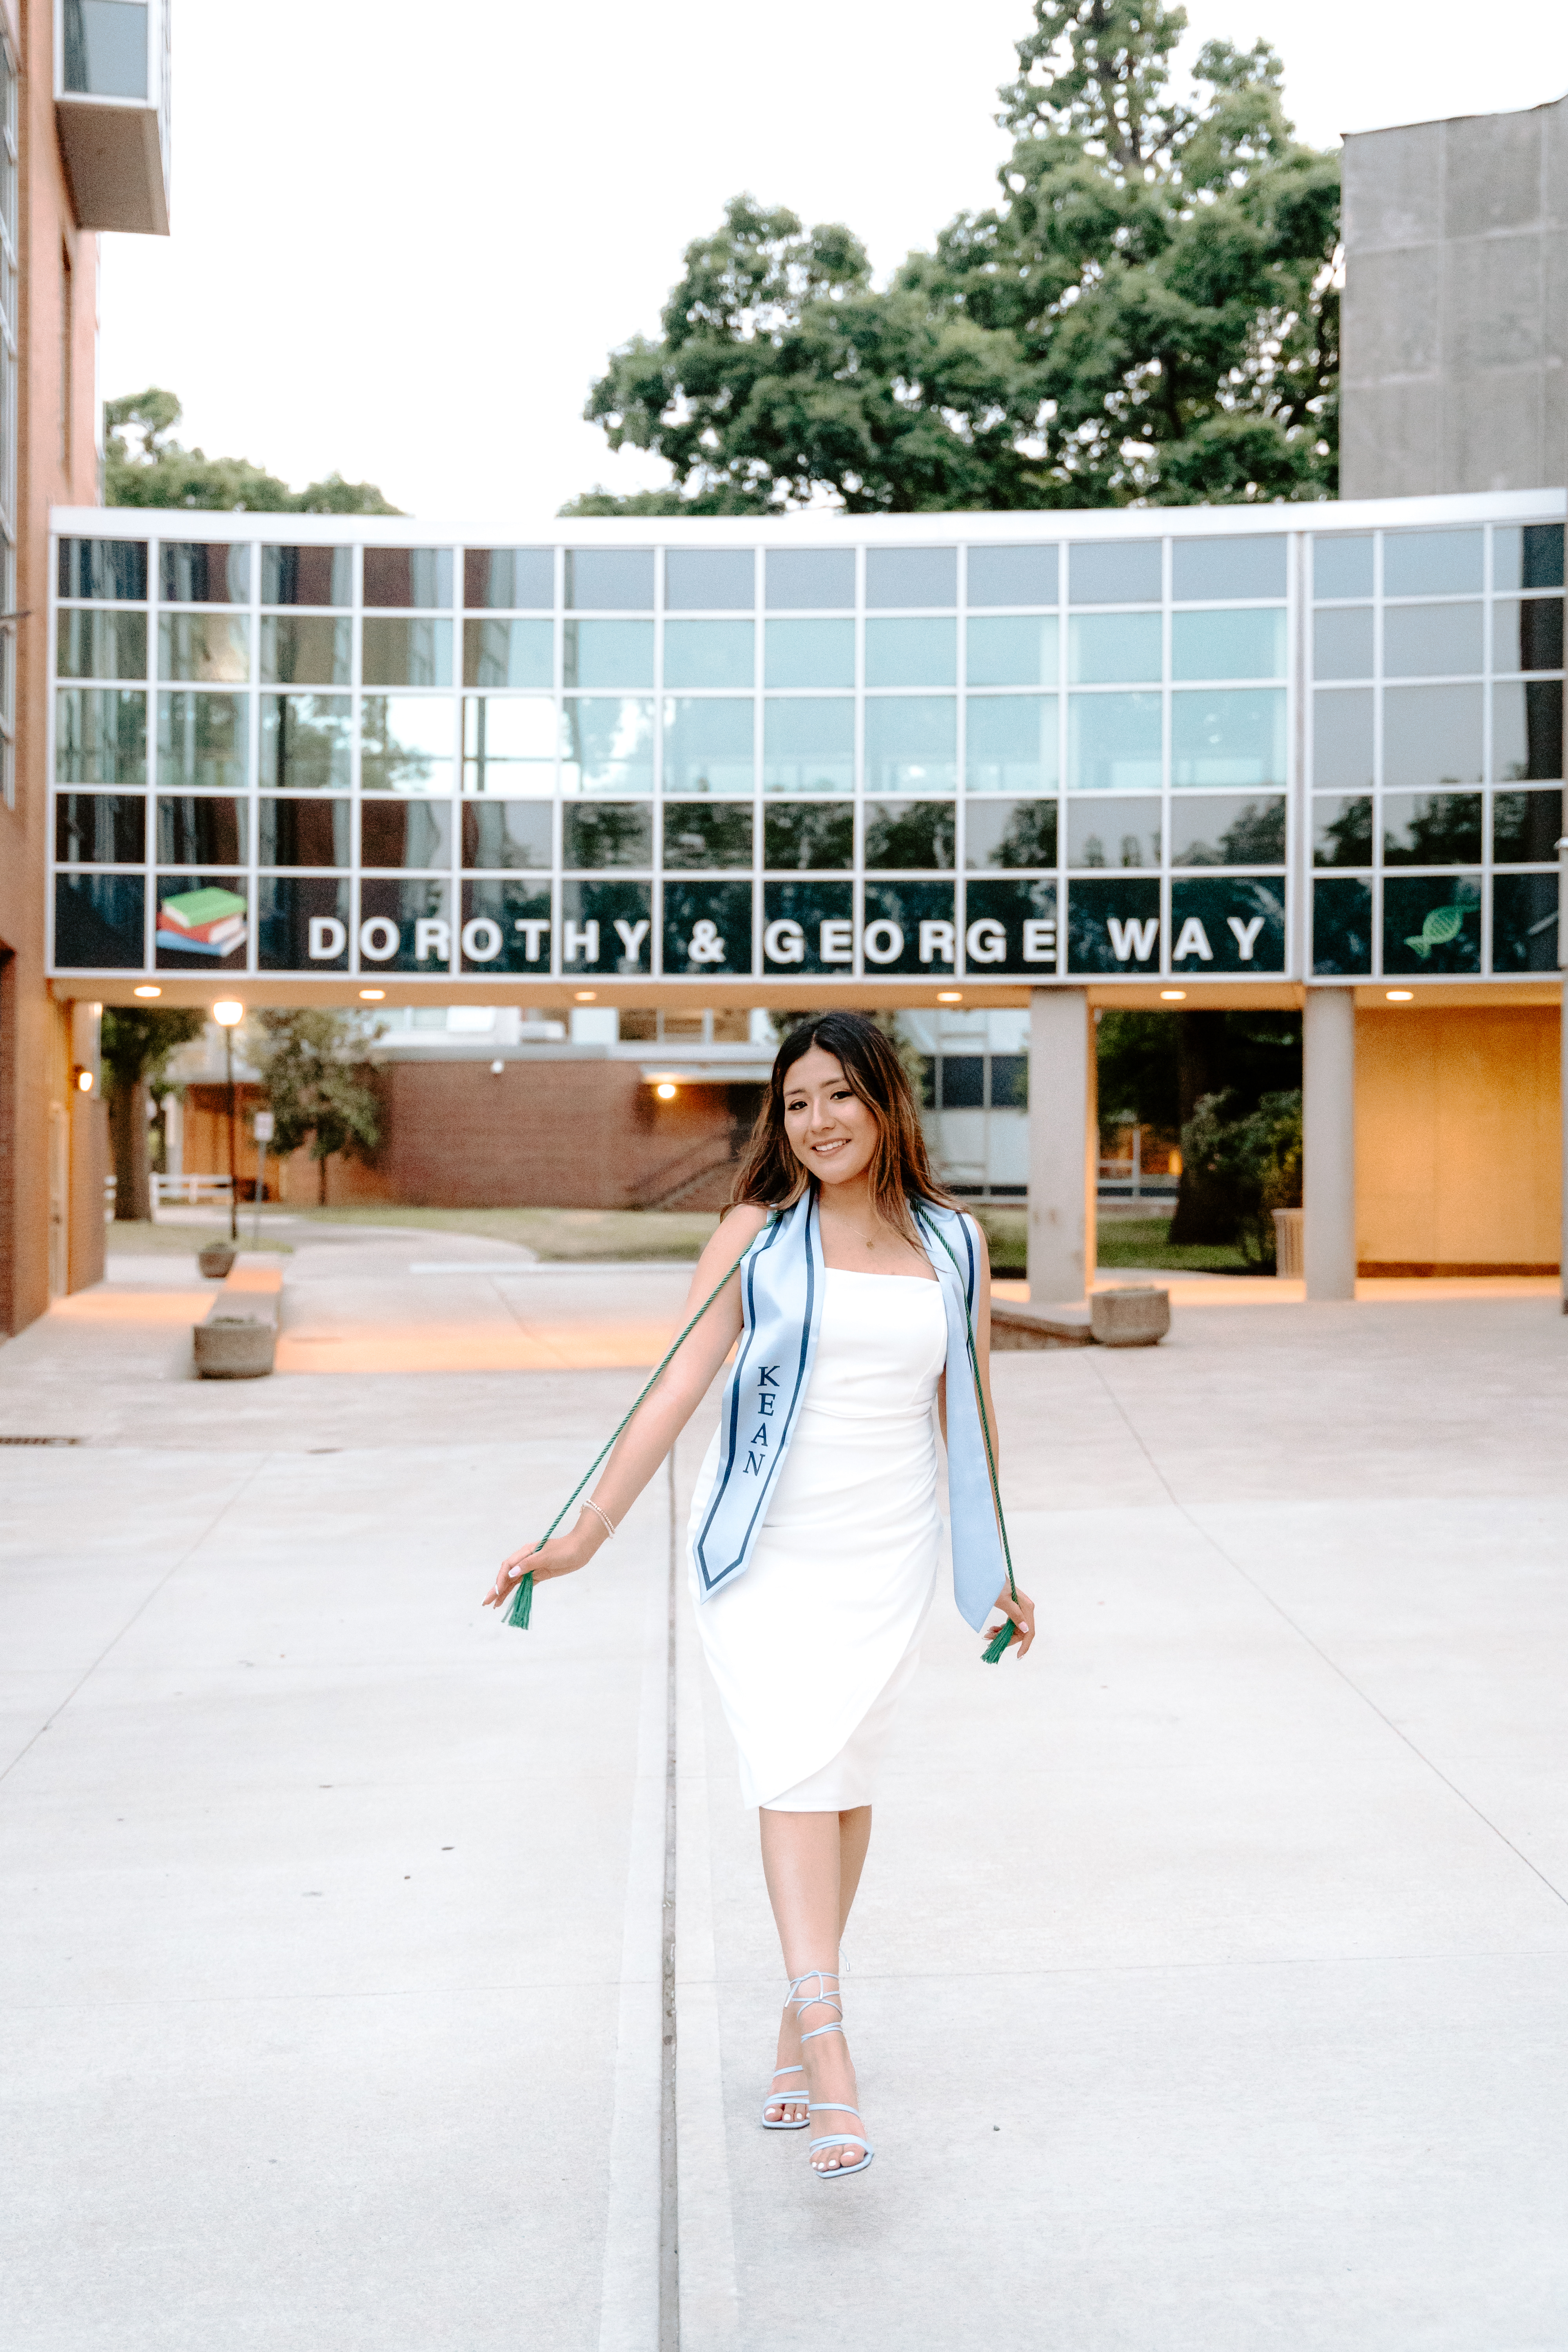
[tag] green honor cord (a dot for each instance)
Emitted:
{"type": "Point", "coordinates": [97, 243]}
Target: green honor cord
{"type": "Point", "coordinates": [522, 1599]}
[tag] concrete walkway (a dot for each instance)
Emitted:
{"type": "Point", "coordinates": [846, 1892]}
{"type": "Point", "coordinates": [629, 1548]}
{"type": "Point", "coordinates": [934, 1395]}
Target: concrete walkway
{"type": "Point", "coordinates": [1209, 1985]}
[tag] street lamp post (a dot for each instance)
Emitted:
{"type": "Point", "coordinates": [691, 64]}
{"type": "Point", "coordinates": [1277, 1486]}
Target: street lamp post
{"type": "Point", "coordinates": [229, 1015]}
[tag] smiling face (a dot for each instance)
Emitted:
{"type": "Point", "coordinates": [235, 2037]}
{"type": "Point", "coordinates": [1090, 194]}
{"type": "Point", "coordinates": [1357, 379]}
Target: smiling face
{"type": "Point", "coordinates": [831, 1130]}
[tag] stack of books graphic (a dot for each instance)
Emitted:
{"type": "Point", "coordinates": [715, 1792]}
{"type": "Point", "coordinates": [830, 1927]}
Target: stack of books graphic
{"type": "Point", "coordinates": [202, 922]}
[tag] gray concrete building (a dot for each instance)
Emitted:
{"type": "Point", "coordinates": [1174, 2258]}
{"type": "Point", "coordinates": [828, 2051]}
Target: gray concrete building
{"type": "Point", "coordinates": [1456, 306]}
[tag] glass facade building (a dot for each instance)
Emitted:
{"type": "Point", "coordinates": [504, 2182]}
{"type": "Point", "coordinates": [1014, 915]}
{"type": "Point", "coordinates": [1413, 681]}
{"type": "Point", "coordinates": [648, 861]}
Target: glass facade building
{"type": "Point", "coordinates": [1260, 746]}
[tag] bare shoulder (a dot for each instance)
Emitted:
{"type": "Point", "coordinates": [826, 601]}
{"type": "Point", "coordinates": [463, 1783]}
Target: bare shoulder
{"type": "Point", "coordinates": [736, 1234]}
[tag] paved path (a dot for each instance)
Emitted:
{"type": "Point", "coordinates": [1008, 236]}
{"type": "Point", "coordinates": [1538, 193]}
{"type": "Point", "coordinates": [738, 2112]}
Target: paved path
{"type": "Point", "coordinates": [1210, 1980]}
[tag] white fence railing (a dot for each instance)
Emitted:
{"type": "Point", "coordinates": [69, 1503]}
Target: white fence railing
{"type": "Point", "coordinates": [189, 1193]}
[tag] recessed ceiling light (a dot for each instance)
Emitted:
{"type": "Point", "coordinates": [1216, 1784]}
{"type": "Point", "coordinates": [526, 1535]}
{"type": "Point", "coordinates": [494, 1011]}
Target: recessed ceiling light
{"type": "Point", "coordinates": [1173, 996]}
{"type": "Point", "coordinates": [950, 996]}
{"type": "Point", "coordinates": [1401, 995]}
{"type": "Point", "coordinates": [372, 995]}
{"type": "Point", "coordinates": [586, 995]}
{"type": "Point", "coordinates": [147, 992]}
{"type": "Point", "coordinates": [665, 1092]}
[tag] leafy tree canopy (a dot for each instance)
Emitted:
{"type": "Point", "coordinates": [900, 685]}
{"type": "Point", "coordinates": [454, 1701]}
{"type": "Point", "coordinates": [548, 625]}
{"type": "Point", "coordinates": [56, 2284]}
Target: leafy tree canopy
{"type": "Point", "coordinates": [317, 1083]}
{"type": "Point", "coordinates": [1148, 314]}
{"type": "Point", "coordinates": [144, 465]}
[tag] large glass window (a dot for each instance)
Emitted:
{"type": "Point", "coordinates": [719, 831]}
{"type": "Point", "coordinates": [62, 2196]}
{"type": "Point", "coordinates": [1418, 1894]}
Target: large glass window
{"type": "Point", "coordinates": [609, 579]}
{"type": "Point", "coordinates": [1232, 736]}
{"type": "Point", "coordinates": [98, 920]}
{"type": "Point", "coordinates": [407, 652]}
{"type": "Point", "coordinates": [597, 833]}
{"type": "Point", "coordinates": [306, 742]}
{"type": "Point", "coordinates": [1113, 649]}
{"type": "Point", "coordinates": [1527, 732]}
{"type": "Point", "coordinates": [1432, 829]}
{"type": "Point", "coordinates": [410, 835]}
{"type": "Point", "coordinates": [1245, 644]}
{"type": "Point", "coordinates": [814, 837]}
{"type": "Point", "coordinates": [914, 835]}
{"type": "Point", "coordinates": [912, 653]}
{"type": "Point", "coordinates": [509, 579]}
{"type": "Point", "coordinates": [708, 745]}
{"type": "Point", "coordinates": [1526, 827]}
{"type": "Point", "coordinates": [510, 746]}
{"type": "Point", "coordinates": [1527, 635]}
{"type": "Point", "coordinates": [809, 653]}
{"type": "Point", "coordinates": [304, 831]}
{"type": "Point", "coordinates": [205, 829]}
{"type": "Point", "coordinates": [1112, 572]}
{"type": "Point", "coordinates": [1014, 649]}
{"type": "Point", "coordinates": [100, 735]}
{"type": "Point", "coordinates": [608, 652]}
{"type": "Point", "coordinates": [607, 744]}
{"type": "Point", "coordinates": [415, 577]}
{"type": "Point", "coordinates": [1431, 640]}
{"type": "Point", "coordinates": [911, 743]}
{"type": "Point", "coordinates": [200, 646]}
{"type": "Point", "coordinates": [707, 653]}
{"type": "Point", "coordinates": [707, 927]}
{"type": "Point", "coordinates": [1341, 831]}
{"type": "Point", "coordinates": [405, 743]}
{"type": "Point", "coordinates": [1113, 742]}
{"type": "Point", "coordinates": [1120, 832]}
{"type": "Point", "coordinates": [203, 740]}
{"type": "Point", "coordinates": [507, 835]}
{"type": "Point", "coordinates": [509, 653]}
{"type": "Point", "coordinates": [1010, 743]}
{"type": "Point", "coordinates": [709, 580]}
{"type": "Point", "coordinates": [1010, 832]}
{"type": "Point", "coordinates": [809, 580]}
{"type": "Point", "coordinates": [702, 833]}
{"type": "Point", "coordinates": [212, 572]}
{"type": "Point", "coordinates": [307, 575]}
{"type": "Point", "coordinates": [100, 828]}
{"type": "Point", "coordinates": [302, 923]}
{"type": "Point", "coordinates": [1341, 928]}
{"type": "Point", "coordinates": [101, 644]}
{"type": "Point", "coordinates": [1012, 575]}
{"type": "Point", "coordinates": [1527, 555]}
{"type": "Point", "coordinates": [1343, 641]}
{"type": "Point", "coordinates": [305, 653]}
{"type": "Point", "coordinates": [1227, 832]}
{"type": "Point", "coordinates": [107, 570]}
{"type": "Point", "coordinates": [1524, 922]}
{"type": "Point", "coordinates": [1431, 736]}
{"type": "Point", "coordinates": [106, 48]}
{"type": "Point", "coordinates": [1203, 571]}
{"type": "Point", "coordinates": [1432, 562]}
{"type": "Point", "coordinates": [1342, 566]}
{"type": "Point", "coordinates": [808, 746]}
{"type": "Point", "coordinates": [808, 926]}
{"type": "Point", "coordinates": [1343, 741]}
{"type": "Point", "coordinates": [1432, 924]}
{"type": "Point", "coordinates": [910, 575]}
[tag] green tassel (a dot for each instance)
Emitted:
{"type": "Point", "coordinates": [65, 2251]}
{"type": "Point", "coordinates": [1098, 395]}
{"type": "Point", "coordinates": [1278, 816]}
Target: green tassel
{"type": "Point", "coordinates": [522, 1603]}
{"type": "Point", "coordinates": [998, 1641]}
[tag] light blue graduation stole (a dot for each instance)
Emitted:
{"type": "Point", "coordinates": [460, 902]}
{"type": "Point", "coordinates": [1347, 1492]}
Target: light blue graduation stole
{"type": "Point", "coordinates": [782, 1286]}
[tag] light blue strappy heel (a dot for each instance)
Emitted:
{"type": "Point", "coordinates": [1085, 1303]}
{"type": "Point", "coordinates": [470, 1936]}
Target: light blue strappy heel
{"type": "Point", "coordinates": [822, 1998]}
{"type": "Point", "coordinates": [783, 2099]}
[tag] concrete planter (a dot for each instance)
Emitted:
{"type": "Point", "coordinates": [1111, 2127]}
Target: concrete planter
{"type": "Point", "coordinates": [1137, 1316]}
{"type": "Point", "coordinates": [234, 1347]}
{"type": "Point", "coordinates": [1290, 1243]}
{"type": "Point", "coordinates": [216, 1261]}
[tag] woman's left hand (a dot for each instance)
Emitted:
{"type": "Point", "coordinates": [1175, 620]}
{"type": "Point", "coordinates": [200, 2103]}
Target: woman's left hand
{"type": "Point", "coordinates": [1021, 1613]}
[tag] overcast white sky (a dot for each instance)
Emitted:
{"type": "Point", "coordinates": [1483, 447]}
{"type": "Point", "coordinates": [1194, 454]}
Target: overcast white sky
{"type": "Point", "coordinates": [406, 238]}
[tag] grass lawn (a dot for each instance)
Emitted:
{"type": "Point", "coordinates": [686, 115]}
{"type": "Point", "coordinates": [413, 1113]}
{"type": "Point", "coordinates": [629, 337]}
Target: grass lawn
{"type": "Point", "coordinates": [129, 1238]}
{"type": "Point", "coordinates": [1143, 1242]}
{"type": "Point", "coordinates": [561, 1233]}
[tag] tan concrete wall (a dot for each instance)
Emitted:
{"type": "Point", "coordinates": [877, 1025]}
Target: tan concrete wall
{"type": "Point", "coordinates": [46, 473]}
{"type": "Point", "coordinates": [1458, 1149]}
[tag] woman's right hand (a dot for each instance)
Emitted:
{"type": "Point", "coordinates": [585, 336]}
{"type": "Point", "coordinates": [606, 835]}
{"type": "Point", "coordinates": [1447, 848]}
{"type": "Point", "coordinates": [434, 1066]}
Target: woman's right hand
{"type": "Point", "coordinates": [561, 1556]}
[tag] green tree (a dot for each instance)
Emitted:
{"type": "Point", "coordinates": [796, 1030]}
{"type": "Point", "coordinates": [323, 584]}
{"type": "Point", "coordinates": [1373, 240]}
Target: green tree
{"type": "Point", "coordinates": [144, 465]}
{"type": "Point", "coordinates": [317, 1083]}
{"type": "Point", "coordinates": [1250, 1160]}
{"type": "Point", "coordinates": [1149, 314]}
{"type": "Point", "coordinates": [136, 1044]}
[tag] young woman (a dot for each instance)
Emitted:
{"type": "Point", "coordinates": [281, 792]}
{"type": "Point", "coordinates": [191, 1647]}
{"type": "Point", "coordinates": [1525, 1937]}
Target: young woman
{"type": "Point", "coordinates": [814, 1532]}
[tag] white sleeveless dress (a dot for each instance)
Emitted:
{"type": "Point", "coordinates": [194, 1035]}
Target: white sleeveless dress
{"type": "Point", "coordinates": [812, 1645]}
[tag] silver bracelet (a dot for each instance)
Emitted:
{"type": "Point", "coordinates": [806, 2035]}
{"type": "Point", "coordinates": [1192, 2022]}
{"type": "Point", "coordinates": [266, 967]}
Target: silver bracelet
{"type": "Point", "coordinates": [589, 1505]}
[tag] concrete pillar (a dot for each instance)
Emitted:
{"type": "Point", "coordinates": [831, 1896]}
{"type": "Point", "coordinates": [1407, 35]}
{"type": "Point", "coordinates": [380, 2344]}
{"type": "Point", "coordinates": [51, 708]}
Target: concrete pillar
{"type": "Point", "coordinates": [1328, 1118]}
{"type": "Point", "coordinates": [1064, 1145]}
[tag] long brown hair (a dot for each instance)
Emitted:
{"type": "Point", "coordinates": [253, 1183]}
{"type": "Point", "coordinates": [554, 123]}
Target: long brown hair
{"type": "Point", "coordinates": [771, 1177]}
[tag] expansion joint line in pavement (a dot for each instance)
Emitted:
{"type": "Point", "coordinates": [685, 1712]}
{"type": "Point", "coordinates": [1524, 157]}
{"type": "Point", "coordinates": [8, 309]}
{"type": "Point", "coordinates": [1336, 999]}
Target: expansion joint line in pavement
{"type": "Point", "coordinates": [668, 2179]}
{"type": "Point", "coordinates": [142, 1607]}
{"type": "Point", "coordinates": [1317, 1648]}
